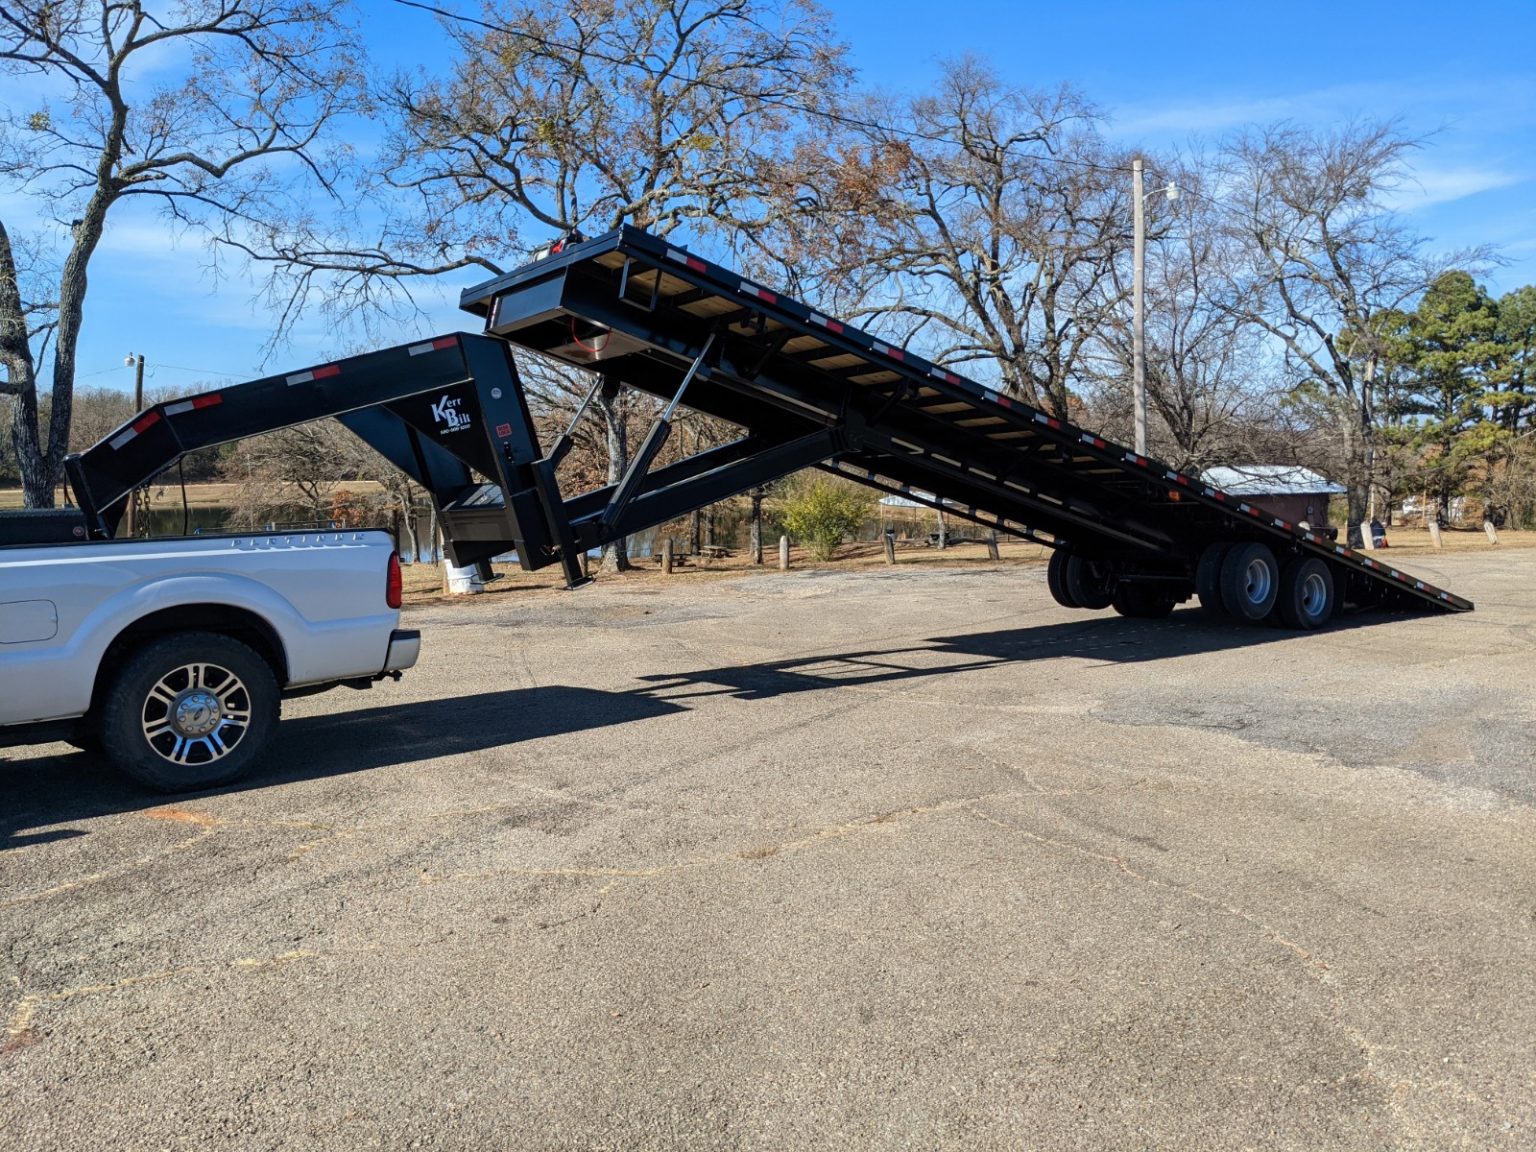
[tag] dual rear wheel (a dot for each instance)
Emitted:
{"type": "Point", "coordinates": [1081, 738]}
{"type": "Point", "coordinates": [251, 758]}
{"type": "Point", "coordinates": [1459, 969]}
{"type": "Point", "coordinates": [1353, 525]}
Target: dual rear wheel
{"type": "Point", "coordinates": [1246, 582]}
{"type": "Point", "coordinates": [1242, 581]}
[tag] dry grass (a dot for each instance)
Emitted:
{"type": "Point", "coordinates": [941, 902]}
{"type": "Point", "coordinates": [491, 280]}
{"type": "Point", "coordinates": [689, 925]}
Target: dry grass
{"type": "Point", "coordinates": [1415, 541]}
{"type": "Point", "coordinates": [206, 495]}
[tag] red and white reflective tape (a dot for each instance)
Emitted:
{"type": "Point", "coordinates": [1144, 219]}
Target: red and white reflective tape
{"type": "Point", "coordinates": [951, 378]}
{"type": "Point", "coordinates": [762, 294]}
{"type": "Point", "coordinates": [181, 406]}
{"type": "Point", "coordinates": [683, 258]}
{"type": "Point", "coordinates": [314, 374]}
{"type": "Point", "coordinates": [148, 420]}
{"type": "Point", "coordinates": [1177, 478]}
{"type": "Point", "coordinates": [435, 346]}
{"type": "Point", "coordinates": [827, 323]}
{"type": "Point", "coordinates": [1282, 524]}
{"type": "Point", "coordinates": [887, 350]}
{"type": "Point", "coordinates": [1048, 421]}
{"type": "Point", "coordinates": [1132, 458]}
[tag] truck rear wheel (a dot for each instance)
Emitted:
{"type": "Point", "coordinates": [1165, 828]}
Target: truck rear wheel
{"type": "Point", "coordinates": [1250, 581]}
{"type": "Point", "coordinates": [1306, 593]}
{"type": "Point", "coordinates": [1056, 579]}
{"type": "Point", "coordinates": [189, 711]}
{"type": "Point", "coordinates": [1089, 582]}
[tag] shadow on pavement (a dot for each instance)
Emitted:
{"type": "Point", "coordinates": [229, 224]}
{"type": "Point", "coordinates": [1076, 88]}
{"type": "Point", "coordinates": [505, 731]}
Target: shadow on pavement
{"type": "Point", "coordinates": [41, 791]}
{"type": "Point", "coordinates": [45, 791]}
{"type": "Point", "coordinates": [1113, 639]}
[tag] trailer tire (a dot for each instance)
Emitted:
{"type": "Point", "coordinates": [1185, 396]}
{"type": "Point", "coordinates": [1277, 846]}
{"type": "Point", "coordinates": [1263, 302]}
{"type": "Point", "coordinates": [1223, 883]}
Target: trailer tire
{"type": "Point", "coordinates": [1056, 580]}
{"type": "Point", "coordinates": [189, 711]}
{"type": "Point", "coordinates": [1250, 581]}
{"type": "Point", "coordinates": [1208, 581]}
{"type": "Point", "coordinates": [1143, 601]}
{"type": "Point", "coordinates": [1089, 582]}
{"type": "Point", "coordinates": [1306, 598]}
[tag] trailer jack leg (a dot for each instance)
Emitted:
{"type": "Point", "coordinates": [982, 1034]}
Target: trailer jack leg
{"type": "Point", "coordinates": [554, 514]}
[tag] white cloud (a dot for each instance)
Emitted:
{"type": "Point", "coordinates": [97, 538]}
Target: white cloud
{"type": "Point", "coordinates": [1429, 185]}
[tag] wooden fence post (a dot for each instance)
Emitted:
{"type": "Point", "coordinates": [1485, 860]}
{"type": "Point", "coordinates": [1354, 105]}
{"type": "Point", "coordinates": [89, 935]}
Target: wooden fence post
{"type": "Point", "coordinates": [889, 536]}
{"type": "Point", "coordinates": [783, 553]}
{"type": "Point", "coordinates": [992, 545]}
{"type": "Point", "coordinates": [666, 555]}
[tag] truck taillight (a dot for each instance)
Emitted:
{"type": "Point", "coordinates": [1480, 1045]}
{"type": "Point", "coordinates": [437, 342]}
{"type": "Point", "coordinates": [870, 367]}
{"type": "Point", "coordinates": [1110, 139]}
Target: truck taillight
{"type": "Point", "coordinates": [392, 583]}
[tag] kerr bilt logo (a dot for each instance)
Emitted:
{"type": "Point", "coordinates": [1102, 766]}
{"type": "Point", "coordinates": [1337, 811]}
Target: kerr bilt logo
{"type": "Point", "coordinates": [448, 413]}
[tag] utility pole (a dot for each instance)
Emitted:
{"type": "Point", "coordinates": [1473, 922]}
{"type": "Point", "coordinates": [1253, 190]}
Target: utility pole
{"type": "Point", "coordinates": [1138, 299]}
{"type": "Point", "coordinates": [131, 522]}
{"type": "Point", "coordinates": [1138, 308]}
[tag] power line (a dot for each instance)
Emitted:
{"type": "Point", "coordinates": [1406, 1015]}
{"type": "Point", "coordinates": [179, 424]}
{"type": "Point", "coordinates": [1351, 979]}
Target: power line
{"type": "Point", "coordinates": [200, 371]}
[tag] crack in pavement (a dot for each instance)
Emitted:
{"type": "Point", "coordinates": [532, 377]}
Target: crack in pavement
{"type": "Point", "coordinates": [207, 825]}
{"type": "Point", "coordinates": [894, 818]}
{"type": "Point", "coordinates": [22, 1016]}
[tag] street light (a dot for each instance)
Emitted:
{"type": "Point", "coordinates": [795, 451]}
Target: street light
{"type": "Point", "coordinates": [1138, 292]}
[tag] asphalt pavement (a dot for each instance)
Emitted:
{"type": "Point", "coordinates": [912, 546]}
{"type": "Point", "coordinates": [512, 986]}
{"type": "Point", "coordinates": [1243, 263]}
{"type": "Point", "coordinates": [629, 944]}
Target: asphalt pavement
{"type": "Point", "coordinates": [883, 859]}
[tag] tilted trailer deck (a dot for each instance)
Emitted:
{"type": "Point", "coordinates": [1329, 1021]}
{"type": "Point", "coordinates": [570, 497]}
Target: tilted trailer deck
{"type": "Point", "coordinates": [806, 390]}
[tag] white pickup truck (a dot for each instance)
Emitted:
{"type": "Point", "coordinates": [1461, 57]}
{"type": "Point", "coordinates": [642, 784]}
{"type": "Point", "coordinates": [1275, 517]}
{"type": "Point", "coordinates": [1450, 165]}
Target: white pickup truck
{"type": "Point", "coordinates": [171, 655]}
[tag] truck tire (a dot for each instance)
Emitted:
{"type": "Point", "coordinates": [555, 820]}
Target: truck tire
{"type": "Point", "coordinates": [1056, 580]}
{"type": "Point", "coordinates": [1208, 581]}
{"type": "Point", "coordinates": [189, 711]}
{"type": "Point", "coordinates": [1306, 598]}
{"type": "Point", "coordinates": [1089, 582]}
{"type": "Point", "coordinates": [1250, 581]}
{"type": "Point", "coordinates": [1143, 601]}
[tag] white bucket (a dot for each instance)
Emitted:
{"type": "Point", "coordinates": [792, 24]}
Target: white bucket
{"type": "Point", "coordinates": [463, 581]}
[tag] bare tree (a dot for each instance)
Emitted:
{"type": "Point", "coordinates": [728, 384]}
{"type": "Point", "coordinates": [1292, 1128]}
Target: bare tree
{"type": "Point", "coordinates": [218, 147]}
{"type": "Point", "coordinates": [994, 215]}
{"type": "Point", "coordinates": [583, 116]}
{"type": "Point", "coordinates": [1323, 257]}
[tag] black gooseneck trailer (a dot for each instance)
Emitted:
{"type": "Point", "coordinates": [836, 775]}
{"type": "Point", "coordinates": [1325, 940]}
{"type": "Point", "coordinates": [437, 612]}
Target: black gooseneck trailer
{"type": "Point", "coordinates": [806, 390]}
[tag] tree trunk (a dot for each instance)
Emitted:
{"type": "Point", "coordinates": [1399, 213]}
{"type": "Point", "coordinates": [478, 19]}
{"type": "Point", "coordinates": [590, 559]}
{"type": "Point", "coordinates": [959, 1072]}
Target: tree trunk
{"type": "Point", "coordinates": [21, 382]}
{"type": "Point", "coordinates": [757, 526]}
{"type": "Point", "coordinates": [610, 403]}
{"type": "Point", "coordinates": [1357, 470]}
{"type": "Point", "coordinates": [407, 515]}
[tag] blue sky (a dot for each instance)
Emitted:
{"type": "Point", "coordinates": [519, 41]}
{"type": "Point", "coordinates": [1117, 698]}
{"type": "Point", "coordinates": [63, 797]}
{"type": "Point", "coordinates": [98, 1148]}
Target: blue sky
{"type": "Point", "coordinates": [1165, 71]}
